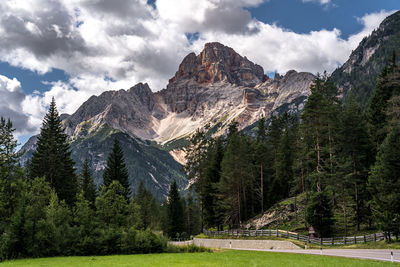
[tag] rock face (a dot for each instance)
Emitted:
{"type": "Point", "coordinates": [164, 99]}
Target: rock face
{"type": "Point", "coordinates": [212, 88]}
{"type": "Point", "coordinates": [208, 90]}
{"type": "Point", "coordinates": [131, 111]}
{"type": "Point", "coordinates": [360, 71]}
{"type": "Point", "coordinates": [219, 63]}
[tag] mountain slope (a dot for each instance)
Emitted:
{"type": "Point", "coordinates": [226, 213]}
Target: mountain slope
{"type": "Point", "coordinates": [359, 73]}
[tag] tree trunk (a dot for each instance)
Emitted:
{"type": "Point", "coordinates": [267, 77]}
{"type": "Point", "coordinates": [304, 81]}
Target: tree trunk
{"type": "Point", "coordinates": [262, 188]}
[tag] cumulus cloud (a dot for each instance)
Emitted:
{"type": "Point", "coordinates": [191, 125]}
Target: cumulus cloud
{"type": "Point", "coordinates": [109, 45]}
{"type": "Point", "coordinates": [11, 101]}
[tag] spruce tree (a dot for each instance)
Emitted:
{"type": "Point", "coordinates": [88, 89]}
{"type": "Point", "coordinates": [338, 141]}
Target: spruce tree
{"type": "Point", "coordinates": [356, 155]}
{"type": "Point", "coordinates": [384, 183]}
{"type": "Point", "coordinates": [319, 130]}
{"type": "Point", "coordinates": [8, 156]}
{"type": "Point", "coordinates": [284, 164]}
{"type": "Point", "coordinates": [52, 158]}
{"type": "Point", "coordinates": [210, 187]}
{"type": "Point", "coordinates": [319, 214]}
{"type": "Point", "coordinates": [87, 184]}
{"type": "Point", "coordinates": [148, 208]}
{"type": "Point", "coordinates": [176, 214]}
{"type": "Point", "coordinates": [387, 85]}
{"type": "Point", "coordinates": [116, 169]}
{"type": "Point", "coordinates": [237, 181]}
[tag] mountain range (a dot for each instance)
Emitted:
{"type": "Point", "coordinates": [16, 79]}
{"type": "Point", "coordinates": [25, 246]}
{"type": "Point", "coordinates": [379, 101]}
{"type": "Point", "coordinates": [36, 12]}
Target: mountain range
{"type": "Point", "coordinates": [209, 90]}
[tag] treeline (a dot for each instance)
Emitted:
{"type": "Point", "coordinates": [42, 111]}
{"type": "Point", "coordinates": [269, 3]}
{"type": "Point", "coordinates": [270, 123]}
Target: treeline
{"type": "Point", "coordinates": [343, 158]}
{"type": "Point", "coordinates": [46, 209]}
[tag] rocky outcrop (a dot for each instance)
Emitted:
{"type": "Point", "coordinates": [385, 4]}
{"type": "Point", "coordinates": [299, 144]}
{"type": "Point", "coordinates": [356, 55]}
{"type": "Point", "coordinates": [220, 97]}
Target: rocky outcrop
{"type": "Point", "coordinates": [212, 88]}
{"type": "Point", "coordinates": [131, 111]}
{"type": "Point", "coordinates": [219, 63]}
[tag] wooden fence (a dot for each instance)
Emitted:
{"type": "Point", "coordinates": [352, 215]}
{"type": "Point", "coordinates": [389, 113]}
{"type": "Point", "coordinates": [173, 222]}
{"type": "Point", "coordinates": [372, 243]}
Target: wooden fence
{"type": "Point", "coordinates": [348, 240]}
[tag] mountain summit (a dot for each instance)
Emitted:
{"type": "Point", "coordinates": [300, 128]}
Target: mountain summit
{"type": "Point", "coordinates": [218, 62]}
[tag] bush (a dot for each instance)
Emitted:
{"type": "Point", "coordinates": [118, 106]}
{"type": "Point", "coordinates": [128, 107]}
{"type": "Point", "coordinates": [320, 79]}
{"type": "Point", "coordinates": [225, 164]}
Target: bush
{"type": "Point", "coordinates": [187, 249]}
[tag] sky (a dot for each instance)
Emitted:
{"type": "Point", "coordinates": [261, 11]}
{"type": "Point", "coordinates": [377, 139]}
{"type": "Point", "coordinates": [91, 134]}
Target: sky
{"type": "Point", "coordinates": [72, 49]}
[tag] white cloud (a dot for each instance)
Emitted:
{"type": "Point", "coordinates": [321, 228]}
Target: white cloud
{"type": "Point", "coordinates": [321, 2]}
{"type": "Point", "coordinates": [108, 45]}
{"type": "Point", "coordinates": [11, 101]}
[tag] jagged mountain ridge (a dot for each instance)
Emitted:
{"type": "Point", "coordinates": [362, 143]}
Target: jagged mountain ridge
{"type": "Point", "coordinates": [210, 89]}
{"type": "Point", "coordinates": [359, 73]}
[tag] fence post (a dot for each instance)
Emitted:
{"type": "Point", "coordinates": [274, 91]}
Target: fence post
{"type": "Point", "coordinates": [287, 234]}
{"type": "Point", "coordinates": [344, 240]}
{"type": "Point", "coordinates": [375, 237]}
{"type": "Point", "coordinates": [277, 233]}
{"type": "Point", "coordinates": [333, 241]}
{"type": "Point", "coordinates": [298, 236]}
{"type": "Point", "coordinates": [365, 239]}
{"type": "Point", "coordinates": [320, 240]}
{"type": "Point", "coordinates": [355, 240]}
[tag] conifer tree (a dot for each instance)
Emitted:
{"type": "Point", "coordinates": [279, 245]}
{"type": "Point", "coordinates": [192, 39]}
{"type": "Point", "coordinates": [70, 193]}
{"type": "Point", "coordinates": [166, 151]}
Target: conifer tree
{"type": "Point", "coordinates": [236, 184]}
{"type": "Point", "coordinates": [285, 160]}
{"type": "Point", "coordinates": [52, 158]}
{"type": "Point", "coordinates": [319, 214]}
{"type": "Point", "coordinates": [175, 212]}
{"type": "Point", "coordinates": [384, 183]}
{"type": "Point", "coordinates": [148, 208]}
{"type": "Point", "coordinates": [210, 188]}
{"type": "Point", "coordinates": [112, 205]}
{"type": "Point", "coordinates": [8, 156]}
{"type": "Point", "coordinates": [356, 156]}
{"type": "Point", "coordinates": [87, 184]}
{"type": "Point", "coordinates": [319, 131]}
{"type": "Point", "coordinates": [116, 169]}
{"type": "Point", "coordinates": [388, 84]}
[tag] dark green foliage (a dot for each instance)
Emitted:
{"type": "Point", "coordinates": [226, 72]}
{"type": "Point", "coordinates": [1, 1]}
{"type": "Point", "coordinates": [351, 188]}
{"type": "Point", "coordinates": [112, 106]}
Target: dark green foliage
{"type": "Point", "coordinates": [236, 184]}
{"type": "Point", "coordinates": [8, 156]}
{"type": "Point", "coordinates": [356, 156]}
{"type": "Point", "coordinates": [384, 183]}
{"type": "Point", "coordinates": [112, 205]}
{"type": "Point", "coordinates": [284, 161]}
{"type": "Point", "coordinates": [387, 85]}
{"type": "Point", "coordinates": [175, 213]}
{"type": "Point", "coordinates": [319, 214]}
{"type": "Point", "coordinates": [52, 158]}
{"type": "Point", "coordinates": [192, 211]}
{"type": "Point", "coordinates": [116, 168]}
{"type": "Point", "coordinates": [148, 208]}
{"type": "Point", "coordinates": [319, 130]}
{"type": "Point", "coordinates": [87, 184]}
{"type": "Point", "coordinates": [212, 215]}
{"type": "Point", "coordinates": [34, 222]}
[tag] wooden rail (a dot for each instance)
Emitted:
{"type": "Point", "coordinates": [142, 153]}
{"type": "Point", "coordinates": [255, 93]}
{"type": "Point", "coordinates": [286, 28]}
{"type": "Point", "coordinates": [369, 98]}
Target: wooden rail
{"type": "Point", "coordinates": [348, 240]}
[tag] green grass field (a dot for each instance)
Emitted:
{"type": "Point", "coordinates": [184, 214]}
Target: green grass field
{"type": "Point", "coordinates": [223, 258]}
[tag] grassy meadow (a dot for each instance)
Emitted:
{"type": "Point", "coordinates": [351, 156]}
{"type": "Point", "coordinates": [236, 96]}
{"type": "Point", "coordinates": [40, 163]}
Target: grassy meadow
{"type": "Point", "coordinates": [221, 258]}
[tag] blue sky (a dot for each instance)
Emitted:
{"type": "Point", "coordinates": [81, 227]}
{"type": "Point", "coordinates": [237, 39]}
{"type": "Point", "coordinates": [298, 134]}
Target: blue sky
{"type": "Point", "coordinates": [74, 49]}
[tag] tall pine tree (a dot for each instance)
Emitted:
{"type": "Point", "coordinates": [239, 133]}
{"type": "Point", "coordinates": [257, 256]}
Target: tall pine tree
{"type": "Point", "coordinates": [52, 158]}
{"type": "Point", "coordinates": [87, 185]}
{"type": "Point", "coordinates": [175, 212]}
{"type": "Point", "coordinates": [116, 169]}
{"type": "Point", "coordinates": [384, 183]}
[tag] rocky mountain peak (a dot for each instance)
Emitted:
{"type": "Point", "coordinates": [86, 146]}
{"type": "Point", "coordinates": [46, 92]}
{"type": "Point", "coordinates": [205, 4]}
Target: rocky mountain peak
{"type": "Point", "coordinates": [218, 62]}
